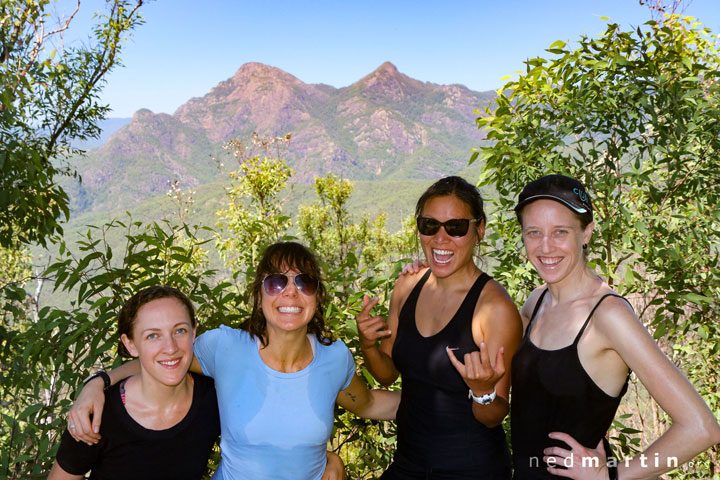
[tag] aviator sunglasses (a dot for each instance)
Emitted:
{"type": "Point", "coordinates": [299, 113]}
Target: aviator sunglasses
{"type": "Point", "coordinates": [455, 227]}
{"type": "Point", "coordinates": [276, 283]}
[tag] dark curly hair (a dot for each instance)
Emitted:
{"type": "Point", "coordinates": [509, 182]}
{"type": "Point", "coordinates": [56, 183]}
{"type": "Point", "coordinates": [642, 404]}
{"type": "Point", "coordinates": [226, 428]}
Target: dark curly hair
{"type": "Point", "coordinates": [128, 313]}
{"type": "Point", "coordinates": [278, 258]}
{"type": "Point", "coordinates": [457, 187]}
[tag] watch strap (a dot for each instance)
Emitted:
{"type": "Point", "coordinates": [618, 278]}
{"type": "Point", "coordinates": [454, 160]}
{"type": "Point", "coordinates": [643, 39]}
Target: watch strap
{"type": "Point", "coordinates": [486, 399]}
{"type": "Point", "coordinates": [100, 373]}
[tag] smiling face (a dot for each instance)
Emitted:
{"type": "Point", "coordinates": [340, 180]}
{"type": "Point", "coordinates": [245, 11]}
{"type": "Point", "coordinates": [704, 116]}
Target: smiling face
{"type": "Point", "coordinates": [162, 339]}
{"type": "Point", "coordinates": [446, 254]}
{"type": "Point", "coordinates": [290, 310]}
{"type": "Point", "coordinates": [553, 238]}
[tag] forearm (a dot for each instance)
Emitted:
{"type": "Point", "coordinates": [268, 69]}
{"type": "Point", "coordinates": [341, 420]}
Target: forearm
{"type": "Point", "coordinates": [376, 404]}
{"type": "Point", "coordinates": [383, 405]}
{"type": "Point", "coordinates": [676, 446]}
{"type": "Point", "coordinates": [493, 414]}
{"type": "Point", "coordinates": [380, 365]}
{"type": "Point", "coordinates": [125, 370]}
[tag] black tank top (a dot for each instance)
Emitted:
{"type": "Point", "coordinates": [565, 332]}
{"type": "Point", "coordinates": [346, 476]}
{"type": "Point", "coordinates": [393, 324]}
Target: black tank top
{"type": "Point", "coordinates": [435, 424]}
{"type": "Point", "coordinates": [552, 392]}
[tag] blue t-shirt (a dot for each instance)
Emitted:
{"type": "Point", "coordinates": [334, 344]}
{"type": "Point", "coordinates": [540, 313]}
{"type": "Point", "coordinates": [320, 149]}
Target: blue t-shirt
{"type": "Point", "coordinates": [273, 424]}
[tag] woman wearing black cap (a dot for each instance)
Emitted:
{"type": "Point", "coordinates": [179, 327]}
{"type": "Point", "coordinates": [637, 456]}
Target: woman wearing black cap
{"type": "Point", "coordinates": [581, 341]}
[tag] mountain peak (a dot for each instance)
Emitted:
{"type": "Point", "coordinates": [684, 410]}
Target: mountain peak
{"type": "Point", "coordinates": [387, 67]}
{"type": "Point", "coordinates": [260, 70]}
{"type": "Point", "coordinates": [384, 73]}
{"type": "Point", "coordinates": [387, 81]}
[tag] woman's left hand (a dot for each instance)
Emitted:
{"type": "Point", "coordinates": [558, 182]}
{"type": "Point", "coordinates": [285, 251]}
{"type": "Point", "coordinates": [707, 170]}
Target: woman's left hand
{"type": "Point", "coordinates": [477, 371]}
{"type": "Point", "coordinates": [579, 462]}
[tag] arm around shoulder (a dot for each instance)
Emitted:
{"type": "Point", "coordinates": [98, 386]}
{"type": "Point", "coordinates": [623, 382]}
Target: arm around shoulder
{"type": "Point", "coordinates": [91, 401]}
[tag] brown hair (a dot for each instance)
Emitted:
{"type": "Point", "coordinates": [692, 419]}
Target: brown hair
{"type": "Point", "coordinates": [128, 313]}
{"type": "Point", "coordinates": [277, 258]}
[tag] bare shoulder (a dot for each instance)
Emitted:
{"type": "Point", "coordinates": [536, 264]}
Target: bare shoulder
{"type": "Point", "coordinates": [615, 314]}
{"type": "Point", "coordinates": [404, 286]}
{"type": "Point", "coordinates": [496, 306]}
{"type": "Point", "coordinates": [495, 295]}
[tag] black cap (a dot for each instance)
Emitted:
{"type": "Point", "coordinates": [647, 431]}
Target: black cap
{"type": "Point", "coordinates": [560, 188]}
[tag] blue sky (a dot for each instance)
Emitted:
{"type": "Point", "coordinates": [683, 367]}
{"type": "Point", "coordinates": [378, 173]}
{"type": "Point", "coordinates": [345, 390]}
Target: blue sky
{"type": "Point", "coordinates": [188, 46]}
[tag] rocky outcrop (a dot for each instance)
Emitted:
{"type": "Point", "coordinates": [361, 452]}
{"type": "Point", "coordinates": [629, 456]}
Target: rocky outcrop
{"type": "Point", "coordinates": [384, 124]}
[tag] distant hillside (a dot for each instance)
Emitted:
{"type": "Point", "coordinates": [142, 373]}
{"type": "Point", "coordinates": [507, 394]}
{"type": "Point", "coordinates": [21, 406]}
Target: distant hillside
{"type": "Point", "coordinates": [386, 126]}
{"type": "Point", "coordinates": [107, 128]}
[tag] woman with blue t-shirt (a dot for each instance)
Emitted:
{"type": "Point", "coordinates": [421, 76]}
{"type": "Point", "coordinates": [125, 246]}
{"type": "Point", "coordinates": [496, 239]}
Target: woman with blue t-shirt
{"type": "Point", "coordinates": [278, 377]}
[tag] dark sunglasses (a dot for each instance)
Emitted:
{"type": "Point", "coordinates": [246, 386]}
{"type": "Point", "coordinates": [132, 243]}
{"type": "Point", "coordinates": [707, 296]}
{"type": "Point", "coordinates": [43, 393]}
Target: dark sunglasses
{"type": "Point", "coordinates": [455, 227]}
{"type": "Point", "coordinates": [276, 283]}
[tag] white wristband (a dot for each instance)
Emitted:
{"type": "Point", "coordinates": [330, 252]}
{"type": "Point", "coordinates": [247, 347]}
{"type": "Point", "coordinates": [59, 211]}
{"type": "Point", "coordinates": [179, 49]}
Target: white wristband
{"type": "Point", "coordinates": [486, 399]}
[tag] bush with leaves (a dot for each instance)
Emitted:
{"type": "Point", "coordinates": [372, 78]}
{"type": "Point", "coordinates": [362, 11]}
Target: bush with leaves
{"type": "Point", "coordinates": [49, 99]}
{"type": "Point", "coordinates": [39, 377]}
{"type": "Point", "coordinates": [253, 217]}
{"type": "Point", "coordinates": [635, 115]}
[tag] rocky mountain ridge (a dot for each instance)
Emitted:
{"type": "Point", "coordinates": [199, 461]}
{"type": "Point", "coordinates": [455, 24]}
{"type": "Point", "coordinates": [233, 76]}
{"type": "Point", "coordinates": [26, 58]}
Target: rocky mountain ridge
{"type": "Point", "coordinates": [384, 126]}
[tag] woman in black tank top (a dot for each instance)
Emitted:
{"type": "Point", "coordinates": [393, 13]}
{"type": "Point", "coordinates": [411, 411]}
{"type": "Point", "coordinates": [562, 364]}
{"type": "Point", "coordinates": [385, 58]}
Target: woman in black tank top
{"type": "Point", "coordinates": [451, 333]}
{"type": "Point", "coordinates": [581, 340]}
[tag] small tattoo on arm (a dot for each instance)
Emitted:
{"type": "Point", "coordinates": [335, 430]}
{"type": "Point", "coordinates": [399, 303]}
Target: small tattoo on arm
{"type": "Point", "coordinates": [352, 397]}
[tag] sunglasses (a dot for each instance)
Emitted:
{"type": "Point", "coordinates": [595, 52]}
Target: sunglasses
{"type": "Point", "coordinates": [455, 227]}
{"type": "Point", "coordinates": [276, 283]}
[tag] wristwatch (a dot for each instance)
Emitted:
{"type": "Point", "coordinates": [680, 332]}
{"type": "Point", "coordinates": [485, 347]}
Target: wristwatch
{"type": "Point", "coordinates": [99, 373]}
{"type": "Point", "coordinates": [486, 399]}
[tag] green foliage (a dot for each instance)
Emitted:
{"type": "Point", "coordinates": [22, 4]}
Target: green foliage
{"type": "Point", "coordinates": [38, 377]}
{"type": "Point", "coordinates": [635, 115]}
{"type": "Point", "coordinates": [253, 218]}
{"type": "Point", "coordinates": [48, 99]}
{"type": "Point", "coordinates": [327, 227]}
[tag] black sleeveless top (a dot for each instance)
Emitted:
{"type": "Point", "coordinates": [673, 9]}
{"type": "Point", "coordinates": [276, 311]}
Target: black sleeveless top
{"type": "Point", "coordinates": [552, 392]}
{"type": "Point", "coordinates": [435, 424]}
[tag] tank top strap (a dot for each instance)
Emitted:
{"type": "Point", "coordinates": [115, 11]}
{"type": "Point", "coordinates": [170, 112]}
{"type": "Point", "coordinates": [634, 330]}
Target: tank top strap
{"type": "Point", "coordinates": [535, 310]}
{"type": "Point", "coordinates": [587, 320]}
{"type": "Point", "coordinates": [474, 293]}
{"type": "Point", "coordinates": [414, 294]}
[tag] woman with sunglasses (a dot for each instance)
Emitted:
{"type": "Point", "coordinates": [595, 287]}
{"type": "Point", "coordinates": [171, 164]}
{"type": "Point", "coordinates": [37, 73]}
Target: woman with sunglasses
{"type": "Point", "coordinates": [581, 341]}
{"type": "Point", "coordinates": [450, 333]}
{"type": "Point", "coordinates": [278, 377]}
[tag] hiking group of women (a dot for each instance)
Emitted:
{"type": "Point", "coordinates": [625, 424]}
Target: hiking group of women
{"type": "Point", "coordinates": [454, 335]}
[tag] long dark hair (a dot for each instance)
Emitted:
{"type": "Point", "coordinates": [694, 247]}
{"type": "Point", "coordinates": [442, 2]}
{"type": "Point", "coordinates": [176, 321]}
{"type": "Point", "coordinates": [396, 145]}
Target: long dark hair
{"type": "Point", "coordinates": [278, 258]}
{"type": "Point", "coordinates": [128, 313]}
